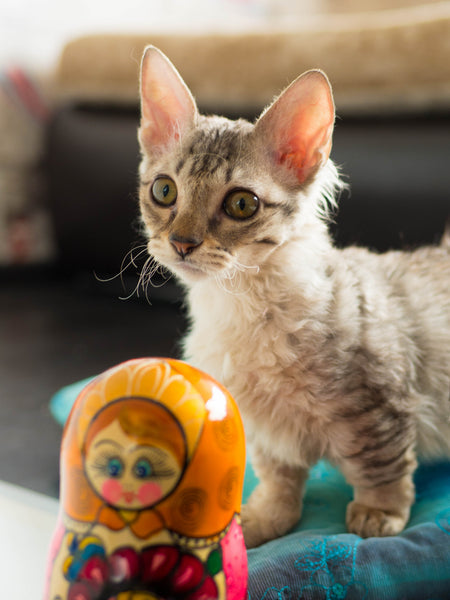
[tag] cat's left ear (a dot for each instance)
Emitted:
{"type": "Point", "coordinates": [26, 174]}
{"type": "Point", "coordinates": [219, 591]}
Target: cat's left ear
{"type": "Point", "coordinates": [168, 108]}
{"type": "Point", "coordinates": [297, 128]}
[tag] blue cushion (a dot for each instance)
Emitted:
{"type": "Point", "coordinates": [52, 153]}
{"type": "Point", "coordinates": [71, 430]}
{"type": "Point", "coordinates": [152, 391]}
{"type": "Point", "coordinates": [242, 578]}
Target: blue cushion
{"type": "Point", "coordinates": [61, 403]}
{"type": "Point", "coordinates": [318, 560]}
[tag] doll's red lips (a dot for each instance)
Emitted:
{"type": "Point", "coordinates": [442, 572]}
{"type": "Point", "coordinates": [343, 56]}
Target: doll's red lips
{"type": "Point", "coordinates": [128, 497]}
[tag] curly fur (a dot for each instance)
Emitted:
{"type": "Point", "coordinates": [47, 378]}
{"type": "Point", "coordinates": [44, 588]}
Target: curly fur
{"type": "Point", "coordinates": [343, 354]}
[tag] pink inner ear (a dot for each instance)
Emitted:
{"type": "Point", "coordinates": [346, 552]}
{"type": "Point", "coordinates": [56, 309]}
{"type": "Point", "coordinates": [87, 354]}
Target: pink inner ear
{"type": "Point", "coordinates": [299, 125]}
{"type": "Point", "coordinates": [307, 146]}
{"type": "Point", "coordinates": [157, 125]}
{"type": "Point", "coordinates": [167, 106]}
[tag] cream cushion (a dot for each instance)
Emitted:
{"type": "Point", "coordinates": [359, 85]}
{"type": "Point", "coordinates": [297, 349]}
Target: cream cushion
{"type": "Point", "coordinates": [379, 60]}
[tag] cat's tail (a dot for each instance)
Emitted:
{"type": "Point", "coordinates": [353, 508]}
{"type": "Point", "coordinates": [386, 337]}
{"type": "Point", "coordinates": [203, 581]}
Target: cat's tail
{"type": "Point", "coordinates": [445, 241]}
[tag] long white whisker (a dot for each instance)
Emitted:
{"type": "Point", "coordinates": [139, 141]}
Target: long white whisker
{"type": "Point", "coordinates": [130, 257]}
{"type": "Point", "coordinates": [135, 290]}
{"type": "Point", "coordinates": [231, 280]}
{"type": "Point", "coordinates": [241, 267]}
{"type": "Point", "coordinates": [149, 269]}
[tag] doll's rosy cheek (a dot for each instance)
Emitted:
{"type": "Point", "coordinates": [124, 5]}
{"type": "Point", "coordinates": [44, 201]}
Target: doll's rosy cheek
{"type": "Point", "coordinates": [149, 493]}
{"type": "Point", "coordinates": [112, 490]}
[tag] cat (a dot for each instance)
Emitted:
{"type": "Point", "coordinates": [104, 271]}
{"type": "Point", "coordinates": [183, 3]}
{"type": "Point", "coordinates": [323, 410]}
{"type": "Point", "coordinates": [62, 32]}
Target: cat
{"type": "Point", "coordinates": [336, 353]}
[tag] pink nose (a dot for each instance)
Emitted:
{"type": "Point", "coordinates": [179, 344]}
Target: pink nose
{"type": "Point", "coordinates": [184, 246]}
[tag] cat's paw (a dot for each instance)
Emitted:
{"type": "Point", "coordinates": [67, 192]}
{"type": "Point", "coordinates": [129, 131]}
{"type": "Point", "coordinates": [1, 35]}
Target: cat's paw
{"type": "Point", "coordinates": [265, 518]}
{"type": "Point", "coordinates": [373, 522]}
{"type": "Point", "coordinates": [253, 528]}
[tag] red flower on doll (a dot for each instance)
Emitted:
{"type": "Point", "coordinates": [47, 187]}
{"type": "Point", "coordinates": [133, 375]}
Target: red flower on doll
{"type": "Point", "coordinates": [163, 570]}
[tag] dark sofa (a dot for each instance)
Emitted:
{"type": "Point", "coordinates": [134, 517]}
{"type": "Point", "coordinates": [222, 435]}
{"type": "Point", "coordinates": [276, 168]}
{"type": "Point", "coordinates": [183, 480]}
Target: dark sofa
{"type": "Point", "coordinates": [397, 169]}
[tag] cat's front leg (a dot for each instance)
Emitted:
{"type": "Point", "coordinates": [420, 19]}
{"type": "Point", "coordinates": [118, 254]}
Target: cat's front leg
{"type": "Point", "coordinates": [382, 508]}
{"type": "Point", "coordinates": [275, 505]}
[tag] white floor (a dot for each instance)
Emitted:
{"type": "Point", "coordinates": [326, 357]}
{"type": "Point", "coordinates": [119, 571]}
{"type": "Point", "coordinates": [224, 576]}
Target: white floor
{"type": "Point", "coordinates": [27, 520]}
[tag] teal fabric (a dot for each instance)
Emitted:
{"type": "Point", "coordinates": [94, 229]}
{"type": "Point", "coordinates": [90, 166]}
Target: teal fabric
{"type": "Point", "coordinates": [61, 403]}
{"type": "Point", "coordinates": [319, 561]}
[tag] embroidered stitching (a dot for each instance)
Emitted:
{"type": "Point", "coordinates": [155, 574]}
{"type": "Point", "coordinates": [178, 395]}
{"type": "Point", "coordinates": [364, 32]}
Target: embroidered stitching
{"type": "Point", "coordinates": [331, 564]}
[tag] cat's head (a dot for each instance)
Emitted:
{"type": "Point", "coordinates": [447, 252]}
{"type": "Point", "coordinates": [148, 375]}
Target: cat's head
{"type": "Point", "coordinates": [219, 196]}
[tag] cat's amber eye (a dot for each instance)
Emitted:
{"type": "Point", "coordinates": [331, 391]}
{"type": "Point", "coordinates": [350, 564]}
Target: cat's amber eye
{"type": "Point", "coordinates": [241, 204]}
{"type": "Point", "coordinates": [164, 191]}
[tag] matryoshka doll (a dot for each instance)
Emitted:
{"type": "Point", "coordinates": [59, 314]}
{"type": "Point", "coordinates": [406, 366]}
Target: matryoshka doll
{"type": "Point", "coordinates": [152, 468]}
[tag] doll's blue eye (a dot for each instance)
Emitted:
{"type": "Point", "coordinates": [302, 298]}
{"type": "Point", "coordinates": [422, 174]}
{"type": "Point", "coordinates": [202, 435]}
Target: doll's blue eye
{"type": "Point", "coordinates": [114, 467]}
{"type": "Point", "coordinates": [143, 468]}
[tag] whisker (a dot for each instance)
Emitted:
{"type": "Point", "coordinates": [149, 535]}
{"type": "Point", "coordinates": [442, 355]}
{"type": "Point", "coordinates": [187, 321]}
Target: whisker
{"type": "Point", "coordinates": [146, 273]}
{"type": "Point", "coordinates": [231, 280]}
{"type": "Point", "coordinates": [241, 267]}
{"type": "Point", "coordinates": [129, 256]}
{"type": "Point", "coordinates": [135, 290]}
{"type": "Point", "coordinates": [149, 269]}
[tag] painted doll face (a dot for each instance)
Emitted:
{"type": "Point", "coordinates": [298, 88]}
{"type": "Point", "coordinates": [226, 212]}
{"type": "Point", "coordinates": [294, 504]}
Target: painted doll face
{"type": "Point", "coordinates": [129, 475]}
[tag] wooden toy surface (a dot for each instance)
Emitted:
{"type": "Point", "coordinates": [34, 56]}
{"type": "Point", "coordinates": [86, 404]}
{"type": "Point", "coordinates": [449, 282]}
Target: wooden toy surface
{"type": "Point", "coordinates": [152, 469]}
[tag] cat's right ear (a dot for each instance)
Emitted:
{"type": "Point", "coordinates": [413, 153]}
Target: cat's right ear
{"type": "Point", "coordinates": [296, 130]}
{"type": "Point", "coordinates": [168, 108]}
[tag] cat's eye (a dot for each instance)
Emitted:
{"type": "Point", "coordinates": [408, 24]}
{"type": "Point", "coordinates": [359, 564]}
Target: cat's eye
{"type": "Point", "coordinates": [164, 191]}
{"type": "Point", "coordinates": [241, 204]}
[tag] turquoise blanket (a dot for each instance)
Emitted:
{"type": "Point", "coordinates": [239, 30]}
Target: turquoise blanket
{"type": "Point", "coordinates": [319, 561]}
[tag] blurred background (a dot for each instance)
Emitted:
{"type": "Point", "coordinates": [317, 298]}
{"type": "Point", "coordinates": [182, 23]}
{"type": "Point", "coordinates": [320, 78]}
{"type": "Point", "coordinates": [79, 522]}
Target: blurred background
{"type": "Point", "coordinates": [68, 166]}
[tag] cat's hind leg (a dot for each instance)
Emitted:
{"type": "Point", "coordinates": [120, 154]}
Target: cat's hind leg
{"type": "Point", "coordinates": [381, 507]}
{"type": "Point", "coordinates": [275, 505]}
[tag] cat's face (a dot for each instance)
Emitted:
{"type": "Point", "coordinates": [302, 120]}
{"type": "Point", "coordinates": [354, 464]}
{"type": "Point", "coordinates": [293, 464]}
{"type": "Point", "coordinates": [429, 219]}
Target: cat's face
{"type": "Point", "coordinates": [208, 206]}
{"type": "Point", "coordinates": [218, 196]}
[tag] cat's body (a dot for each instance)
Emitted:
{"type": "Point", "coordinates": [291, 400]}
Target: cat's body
{"type": "Point", "coordinates": [343, 354]}
{"type": "Point", "coordinates": [304, 377]}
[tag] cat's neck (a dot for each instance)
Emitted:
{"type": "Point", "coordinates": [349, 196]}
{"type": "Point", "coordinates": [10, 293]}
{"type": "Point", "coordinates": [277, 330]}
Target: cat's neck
{"type": "Point", "coordinates": [291, 290]}
{"type": "Point", "coordinates": [295, 274]}
{"type": "Point", "coordinates": [296, 271]}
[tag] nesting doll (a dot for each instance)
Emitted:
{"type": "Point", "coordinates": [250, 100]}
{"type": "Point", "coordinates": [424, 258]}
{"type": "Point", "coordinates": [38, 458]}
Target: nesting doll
{"type": "Point", "coordinates": [152, 468]}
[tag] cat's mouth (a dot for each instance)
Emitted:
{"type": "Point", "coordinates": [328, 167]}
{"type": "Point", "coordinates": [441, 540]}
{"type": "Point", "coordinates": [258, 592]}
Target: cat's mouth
{"type": "Point", "coordinates": [189, 269]}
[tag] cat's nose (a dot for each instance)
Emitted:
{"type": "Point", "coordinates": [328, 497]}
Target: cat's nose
{"type": "Point", "coordinates": [184, 246]}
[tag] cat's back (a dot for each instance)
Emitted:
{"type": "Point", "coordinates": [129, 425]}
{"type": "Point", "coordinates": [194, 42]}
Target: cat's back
{"type": "Point", "coordinates": [429, 263]}
{"type": "Point", "coordinates": [404, 301]}
{"type": "Point", "coordinates": [421, 275]}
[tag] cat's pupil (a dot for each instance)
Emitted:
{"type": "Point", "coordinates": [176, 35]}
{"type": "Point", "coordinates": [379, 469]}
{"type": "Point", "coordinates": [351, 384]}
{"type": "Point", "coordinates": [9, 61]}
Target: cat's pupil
{"type": "Point", "coordinates": [240, 204]}
{"type": "Point", "coordinates": [166, 190]}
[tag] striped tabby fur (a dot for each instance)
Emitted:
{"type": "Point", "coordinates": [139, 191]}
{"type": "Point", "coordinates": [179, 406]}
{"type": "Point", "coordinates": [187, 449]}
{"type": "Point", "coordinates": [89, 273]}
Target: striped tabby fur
{"type": "Point", "coordinates": [343, 354]}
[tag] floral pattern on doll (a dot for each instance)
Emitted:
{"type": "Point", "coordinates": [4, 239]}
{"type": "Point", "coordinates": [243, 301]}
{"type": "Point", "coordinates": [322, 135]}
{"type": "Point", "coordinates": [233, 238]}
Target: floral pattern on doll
{"type": "Point", "coordinates": [169, 570]}
{"type": "Point", "coordinates": [134, 457]}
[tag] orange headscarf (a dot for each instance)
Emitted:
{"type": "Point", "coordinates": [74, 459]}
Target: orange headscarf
{"type": "Point", "coordinates": [179, 408]}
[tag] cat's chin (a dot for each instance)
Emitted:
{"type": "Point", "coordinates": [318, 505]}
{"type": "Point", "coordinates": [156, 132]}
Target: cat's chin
{"type": "Point", "coordinates": [188, 272]}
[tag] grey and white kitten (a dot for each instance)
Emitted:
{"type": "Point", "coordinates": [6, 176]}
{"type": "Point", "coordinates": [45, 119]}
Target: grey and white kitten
{"type": "Point", "coordinates": [343, 354]}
